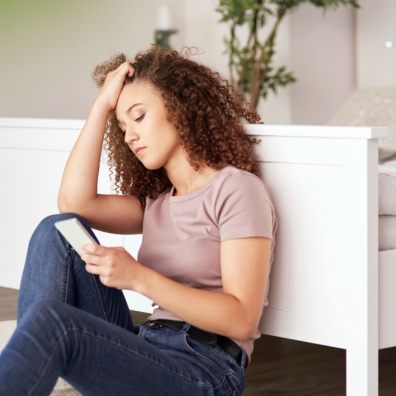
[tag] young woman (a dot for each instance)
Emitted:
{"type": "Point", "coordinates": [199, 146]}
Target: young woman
{"type": "Point", "coordinates": [191, 185]}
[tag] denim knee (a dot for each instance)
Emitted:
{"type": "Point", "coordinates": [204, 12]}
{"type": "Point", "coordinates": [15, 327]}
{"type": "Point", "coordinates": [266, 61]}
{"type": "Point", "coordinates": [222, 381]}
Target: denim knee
{"type": "Point", "coordinates": [47, 225]}
{"type": "Point", "coordinates": [46, 309]}
{"type": "Point", "coordinates": [46, 305]}
{"type": "Point", "coordinates": [45, 228]}
{"type": "Point", "coordinates": [48, 321]}
{"type": "Point", "coordinates": [49, 221]}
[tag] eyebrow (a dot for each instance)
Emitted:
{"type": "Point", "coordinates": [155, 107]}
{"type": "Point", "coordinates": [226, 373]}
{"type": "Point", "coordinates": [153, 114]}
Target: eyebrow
{"type": "Point", "coordinates": [128, 110]}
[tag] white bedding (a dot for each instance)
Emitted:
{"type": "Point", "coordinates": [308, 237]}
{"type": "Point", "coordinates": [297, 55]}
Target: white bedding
{"type": "Point", "coordinates": [387, 205]}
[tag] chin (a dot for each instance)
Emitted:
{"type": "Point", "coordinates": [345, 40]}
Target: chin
{"type": "Point", "coordinates": [152, 167]}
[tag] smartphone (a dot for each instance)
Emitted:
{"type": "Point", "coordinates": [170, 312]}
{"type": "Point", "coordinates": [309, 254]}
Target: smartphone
{"type": "Point", "coordinates": [75, 233]}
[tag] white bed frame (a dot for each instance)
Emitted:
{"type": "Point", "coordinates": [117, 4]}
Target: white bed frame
{"type": "Point", "coordinates": [329, 283]}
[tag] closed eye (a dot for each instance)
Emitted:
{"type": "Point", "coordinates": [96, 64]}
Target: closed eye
{"type": "Point", "coordinates": [137, 119]}
{"type": "Point", "coordinates": [140, 118]}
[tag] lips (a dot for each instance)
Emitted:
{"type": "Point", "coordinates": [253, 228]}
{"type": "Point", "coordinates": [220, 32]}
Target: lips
{"type": "Point", "coordinates": [139, 149]}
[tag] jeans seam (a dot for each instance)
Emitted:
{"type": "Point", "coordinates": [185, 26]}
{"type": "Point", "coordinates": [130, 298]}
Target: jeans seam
{"type": "Point", "coordinates": [146, 357]}
{"type": "Point", "coordinates": [48, 361]}
{"type": "Point", "coordinates": [66, 285]}
{"type": "Point", "coordinates": [71, 258]}
{"type": "Point", "coordinates": [222, 373]}
{"type": "Point", "coordinates": [236, 381]}
{"type": "Point", "coordinates": [100, 297]}
{"type": "Point", "coordinates": [203, 357]}
{"type": "Point", "coordinates": [94, 279]}
{"type": "Point", "coordinates": [67, 258]}
{"type": "Point", "coordinates": [134, 352]}
{"type": "Point", "coordinates": [69, 255]}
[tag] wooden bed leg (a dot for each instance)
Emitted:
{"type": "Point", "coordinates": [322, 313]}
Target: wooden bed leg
{"type": "Point", "coordinates": [362, 371]}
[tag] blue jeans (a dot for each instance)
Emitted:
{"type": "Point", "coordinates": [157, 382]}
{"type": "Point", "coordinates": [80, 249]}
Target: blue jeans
{"type": "Point", "coordinates": [70, 325]}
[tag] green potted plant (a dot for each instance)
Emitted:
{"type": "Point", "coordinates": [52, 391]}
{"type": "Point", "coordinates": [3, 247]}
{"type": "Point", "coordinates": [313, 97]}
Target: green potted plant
{"type": "Point", "coordinates": [251, 70]}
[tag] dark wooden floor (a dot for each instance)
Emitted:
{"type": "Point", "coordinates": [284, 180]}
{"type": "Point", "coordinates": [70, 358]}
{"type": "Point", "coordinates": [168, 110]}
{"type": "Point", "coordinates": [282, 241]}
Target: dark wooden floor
{"type": "Point", "coordinates": [280, 366]}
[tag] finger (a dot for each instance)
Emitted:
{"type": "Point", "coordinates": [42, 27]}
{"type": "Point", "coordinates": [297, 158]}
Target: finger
{"type": "Point", "coordinates": [87, 247]}
{"type": "Point", "coordinates": [124, 67]}
{"type": "Point", "coordinates": [131, 70]}
{"type": "Point", "coordinates": [93, 248]}
{"type": "Point", "coordinates": [93, 269]}
{"type": "Point", "coordinates": [91, 259]}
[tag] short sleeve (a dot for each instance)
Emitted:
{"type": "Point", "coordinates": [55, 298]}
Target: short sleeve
{"type": "Point", "coordinates": [245, 208]}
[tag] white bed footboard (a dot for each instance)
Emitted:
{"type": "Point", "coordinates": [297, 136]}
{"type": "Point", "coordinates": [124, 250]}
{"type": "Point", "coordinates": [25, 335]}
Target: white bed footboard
{"type": "Point", "coordinates": [324, 284]}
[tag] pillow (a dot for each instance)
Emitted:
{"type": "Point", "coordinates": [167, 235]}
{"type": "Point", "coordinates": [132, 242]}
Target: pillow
{"type": "Point", "coordinates": [387, 188]}
{"type": "Point", "coordinates": [372, 107]}
{"type": "Point", "coordinates": [386, 232]}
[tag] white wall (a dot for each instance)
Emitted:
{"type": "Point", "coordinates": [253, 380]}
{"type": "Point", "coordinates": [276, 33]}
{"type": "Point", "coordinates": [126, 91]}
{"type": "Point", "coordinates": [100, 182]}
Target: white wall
{"type": "Point", "coordinates": [376, 25]}
{"type": "Point", "coordinates": [323, 59]}
{"type": "Point", "coordinates": [49, 50]}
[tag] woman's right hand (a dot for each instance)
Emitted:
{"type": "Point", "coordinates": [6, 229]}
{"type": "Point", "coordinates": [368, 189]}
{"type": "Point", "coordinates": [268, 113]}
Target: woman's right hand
{"type": "Point", "coordinates": [113, 84]}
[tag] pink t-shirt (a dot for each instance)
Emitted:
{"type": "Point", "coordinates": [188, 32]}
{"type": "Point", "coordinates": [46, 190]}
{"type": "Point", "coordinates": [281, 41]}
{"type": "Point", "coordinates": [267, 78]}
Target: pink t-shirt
{"type": "Point", "coordinates": [182, 234]}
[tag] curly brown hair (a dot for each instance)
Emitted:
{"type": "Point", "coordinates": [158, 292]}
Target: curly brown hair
{"type": "Point", "coordinates": [205, 110]}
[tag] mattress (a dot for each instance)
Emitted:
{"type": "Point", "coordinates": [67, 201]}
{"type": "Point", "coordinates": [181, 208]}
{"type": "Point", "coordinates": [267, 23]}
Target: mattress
{"type": "Point", "coordinates": [387, 205]}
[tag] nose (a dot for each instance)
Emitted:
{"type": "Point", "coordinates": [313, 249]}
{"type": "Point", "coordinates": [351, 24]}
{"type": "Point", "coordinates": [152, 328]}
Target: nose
{"type": "Point", "coordinates": [130, 136]}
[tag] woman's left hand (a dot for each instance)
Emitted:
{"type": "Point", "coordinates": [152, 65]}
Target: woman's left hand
{"type": "Point", "coordinates": [114, 265]}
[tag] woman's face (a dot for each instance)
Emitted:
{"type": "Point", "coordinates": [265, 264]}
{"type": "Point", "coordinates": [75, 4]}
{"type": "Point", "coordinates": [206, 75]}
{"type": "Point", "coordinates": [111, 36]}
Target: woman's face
{"type": "Point", "coordinates": [141, 115]}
